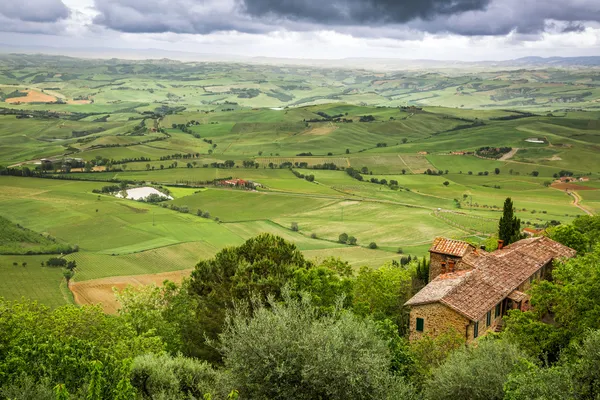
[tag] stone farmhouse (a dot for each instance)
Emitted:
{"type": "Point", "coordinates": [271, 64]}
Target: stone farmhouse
{"type": "Point", "coordinates": [469, 289]}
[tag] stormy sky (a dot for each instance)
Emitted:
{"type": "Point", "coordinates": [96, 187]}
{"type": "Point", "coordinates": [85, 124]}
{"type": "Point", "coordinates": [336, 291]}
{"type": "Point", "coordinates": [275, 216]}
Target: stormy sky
{"type": "Point", "coordinates": [411, 29]}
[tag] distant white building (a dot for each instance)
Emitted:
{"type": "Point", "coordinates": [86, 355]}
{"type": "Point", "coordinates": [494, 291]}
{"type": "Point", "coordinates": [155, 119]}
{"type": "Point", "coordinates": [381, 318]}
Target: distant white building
{"type": "Point", "coordinates": [535, 140]}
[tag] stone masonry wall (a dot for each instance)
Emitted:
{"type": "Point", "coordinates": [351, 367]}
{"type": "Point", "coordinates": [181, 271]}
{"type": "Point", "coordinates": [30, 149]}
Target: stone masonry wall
{"type": "Point", "coordinates": [438, 318]}
{"type": "Point", "coordinates": [435, 268]}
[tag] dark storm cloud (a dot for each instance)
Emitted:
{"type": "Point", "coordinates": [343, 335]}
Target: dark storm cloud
{"type": "Point", "coordinates": [364, 18]}
{"type": "Point", "coordinates": [40, 11]}
{"type": "Point", "coordinates": [359, 11]}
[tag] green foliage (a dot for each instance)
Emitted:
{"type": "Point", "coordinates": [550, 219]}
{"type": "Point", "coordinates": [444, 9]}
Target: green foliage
{"type": "Point", "coordinates": [569, 236]}
{"type": "Point", "coordinates": [286, 351]}
{"type": "Point", "coordinates": [260, 267]}
{"type": "Point", "coordinates": [343, 238]}
{"type": "Point", "coordinates": [26, 388]}
{"type": "Point", "coordinates": [530, 382]}
{"type": "Point", "coordinates": [61, 392]}
{"type": "Point", "coordinates": [163, 376]}
{"type": "Point", "coordinates": [430, 352]}
{"type": "Point", "coordinates": [125, 390]}
{"type": "Point", "coordinates": [96, 383]}
{"type": "Point", "coordinates": [382, 293]}
{"type": "Point", "coordinates": [586, 366]}
{"type": "Point", "coordinates": [509, 228]}
{"type": "Point", "coordinates": [166, 311]}
{"type": "Point", "coordinates": [588, 225]}
{"type": "Point", "coordinates": [59, 346]}
{"type": "Point", "coordinates": [325, 286]}
{"type": "Point", "coordinates": [572, 298]}
{"type": "Point", "coordinates": [474, 372]}
{"type": "Point", "coordinates": [538, 338]}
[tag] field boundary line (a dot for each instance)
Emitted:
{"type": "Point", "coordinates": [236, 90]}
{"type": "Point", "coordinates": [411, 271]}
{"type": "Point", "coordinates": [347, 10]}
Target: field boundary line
{"type": "Point", "coordinates": [409, 168]}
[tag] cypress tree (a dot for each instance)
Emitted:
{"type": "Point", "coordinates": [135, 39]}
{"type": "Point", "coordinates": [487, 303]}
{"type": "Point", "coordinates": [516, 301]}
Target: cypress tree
{"type": "Point", "coordinates": [509, 228]}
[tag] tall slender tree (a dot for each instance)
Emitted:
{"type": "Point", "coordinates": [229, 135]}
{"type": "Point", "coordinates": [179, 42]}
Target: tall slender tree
{"type": "Point", "coordinates": [509, 228]}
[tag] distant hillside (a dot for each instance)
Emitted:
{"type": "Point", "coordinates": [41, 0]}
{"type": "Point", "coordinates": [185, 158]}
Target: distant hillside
{"type": "Point", "coordinates": [380, 64]}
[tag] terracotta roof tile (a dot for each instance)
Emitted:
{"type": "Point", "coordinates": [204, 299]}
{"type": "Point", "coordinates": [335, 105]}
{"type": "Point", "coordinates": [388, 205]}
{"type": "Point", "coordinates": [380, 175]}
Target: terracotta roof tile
{"type": "Point", "coordinates": [449, 246]}
{"type": "Point", "coordinates": [493, 276]}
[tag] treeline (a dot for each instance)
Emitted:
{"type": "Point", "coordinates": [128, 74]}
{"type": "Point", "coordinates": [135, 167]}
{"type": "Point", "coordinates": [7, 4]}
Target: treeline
{"type": "Point", "coordinates": [309, 178]}
{"type": "Point", "coordinates": [492, 152]}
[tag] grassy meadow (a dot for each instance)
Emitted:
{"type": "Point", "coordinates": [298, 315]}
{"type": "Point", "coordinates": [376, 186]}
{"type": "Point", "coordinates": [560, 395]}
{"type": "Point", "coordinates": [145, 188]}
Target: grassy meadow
{"type": "Point", "coordinates": [196, 125]}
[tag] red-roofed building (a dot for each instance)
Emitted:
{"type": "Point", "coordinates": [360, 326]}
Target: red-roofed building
{"type": "Point", "coordinates": [235, 182]}
{"type": "Point", "coordinates": [470, 289]}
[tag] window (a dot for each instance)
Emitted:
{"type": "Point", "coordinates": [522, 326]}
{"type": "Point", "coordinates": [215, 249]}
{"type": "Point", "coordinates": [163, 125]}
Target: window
{"type": "Point", "coordinates": [498, 310]}
{"type": "Point", "coordinates": [420, 324]}
{"type": "Point", "coordinates": [488, 318]}
{"type": "Point", "coordinates": [476, 330]}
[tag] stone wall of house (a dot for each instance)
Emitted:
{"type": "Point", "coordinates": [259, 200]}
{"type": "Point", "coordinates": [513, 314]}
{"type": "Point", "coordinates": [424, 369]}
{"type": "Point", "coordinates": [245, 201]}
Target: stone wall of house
{"type": "Point", "coordinates": [438, 318]}
{"type": "Point", "coordinates": [484, 329]}
{"type": "Point", "coordinates": [437, 259]}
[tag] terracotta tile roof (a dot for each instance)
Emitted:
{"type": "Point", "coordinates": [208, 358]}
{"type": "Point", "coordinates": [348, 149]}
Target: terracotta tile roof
{"type": "Point", "coordinates": [450, 247]}
{"type": "Point", "coordinates": [492, 277]}
{"type": "Point", "coordinates": [438, 288]}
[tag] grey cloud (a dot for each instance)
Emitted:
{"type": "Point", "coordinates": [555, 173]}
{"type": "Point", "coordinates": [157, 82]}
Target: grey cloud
{"type": "Point", "coordinates": [362, 18]}
{"type": "Point", "coordinates": [36, 11]}
{"type": "Point", "coordinates": [527, 17]}
{"type": "Point", "coordinates": [178, 16]}
{"type": "Point", "coordinates": [352, 12]}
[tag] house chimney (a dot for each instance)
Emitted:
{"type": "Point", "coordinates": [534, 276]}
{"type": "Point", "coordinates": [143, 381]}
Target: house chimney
{"type": "Point", "coordinates": [500, 244]}
{"type": "Point", "coordinates": [451, 265]}
{"type": "Point", "coordinates": [443, 267]}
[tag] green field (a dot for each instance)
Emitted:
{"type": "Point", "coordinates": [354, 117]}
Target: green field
{"type": "Point", "coordinates": [185, 127]}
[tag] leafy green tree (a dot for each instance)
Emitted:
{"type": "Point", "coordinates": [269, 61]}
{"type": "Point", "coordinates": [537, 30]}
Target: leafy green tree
{"type": "Point", "coordinates": [164, 377]}
{"type": "Point", "coordinates": [294, 227]}
{"type": "Point", "coordinates": [68, 275]}
{"type": "Point", "coordinates": [96, 383]}
{"type": "Point", "coordinates": [586, 366]}
{"type": "Point", "coordinates": [373, 245]}
{"type": "Point", "coordinates": [352, 240]}
{"type": "Point", "coordinates": [166, 311]}
{"type": "Point", "coordinates": [343, 238]}
{"type": "Point", "coordinates": [589, 225]}
{"type": "Point", "coordinates": [528, 381]}
{"type": "Point", "coordinates": [59, 345]}
{"type": "Point", "coordinates": [382, 292]}
{"type": "Point", "coordinates": [474, 372]}
{"type": "Point", "coordinates": [572, 298]}
{"type": "Point", "coordinates": [262, 266]}
{"type": "Point", "coordinates": [124, 389]}
{"type": "Point", "coordinates": [326, 286]}
{"type": "Point", "coordinates": [537, 338]}
{"type": "Point", "coordinates": [570, 236]}
{"type": "Point", "coordinates": [430, 352]}
{"type": "Point", "coordinates": [289, 351]}
{"type": "Point", "coordinates": [509, 228]}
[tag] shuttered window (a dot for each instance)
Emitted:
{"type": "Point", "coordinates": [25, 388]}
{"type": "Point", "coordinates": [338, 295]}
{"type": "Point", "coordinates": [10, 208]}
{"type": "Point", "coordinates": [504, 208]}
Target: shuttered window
{"type": "Point", "coordinates": [420, 324]}
{"type": "Point", "coordinates": [488, 318]}
{"type": "Point", "coordinates": [498, 310]}
{"type": "Point", "coordinates": [476, 330]}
